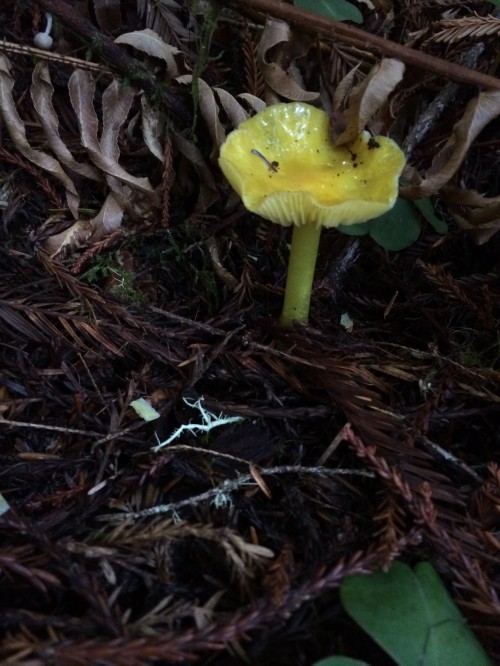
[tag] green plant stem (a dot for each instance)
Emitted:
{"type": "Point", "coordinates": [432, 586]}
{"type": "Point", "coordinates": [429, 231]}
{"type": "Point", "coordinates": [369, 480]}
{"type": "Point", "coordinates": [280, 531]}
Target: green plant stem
{"type": "Point", "coordinates": [301, 265]}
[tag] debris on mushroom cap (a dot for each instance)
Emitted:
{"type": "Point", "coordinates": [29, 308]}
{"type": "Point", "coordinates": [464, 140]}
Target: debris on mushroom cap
{"type": "Point", "coordinates": [286, 169]}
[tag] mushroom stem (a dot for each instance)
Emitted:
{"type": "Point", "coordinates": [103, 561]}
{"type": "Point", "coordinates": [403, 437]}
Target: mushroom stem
{"type": "Point", "coordinates": [301, 265]}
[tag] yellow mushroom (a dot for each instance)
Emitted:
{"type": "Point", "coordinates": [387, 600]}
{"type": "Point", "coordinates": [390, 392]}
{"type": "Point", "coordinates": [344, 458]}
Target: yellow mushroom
{"type": "Point", "coordinates": [286, 169]}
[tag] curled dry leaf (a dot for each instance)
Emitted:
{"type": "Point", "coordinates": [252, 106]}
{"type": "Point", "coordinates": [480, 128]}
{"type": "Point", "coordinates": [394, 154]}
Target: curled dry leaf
{"type": "Point", "coordinates": [116, 102]}
{"type": "Point", "coordinates": [107, 220]}
{"type": "Point", "coordinates": [152, 128]}
{"type": "Point", "coordinates": [208, 192]}
{"type": "Point", "coordinates": [81, 88]}
{"type": "Point", "coordinates": [366, 99]}
{"type": "Point", "coordinates": [479, 112]}
{"type": "Point", "coordinates": [234, 111]}
{"type": "Point", "coordinates": [70, 238]}
{"type": "Point", "coordinates": [42, 93]}
{"type": "Point", "coordinates": [344, 89]}
{"type": "Point", "coordinates": [17, 132]}
{"type": "Point", "coordinates": [473, 212]}
{"type": "Point", "coordinates": [210, 109]}
{"type": "Point", "coordinates": [255, 103]}
{"type": "Point", "coordinates": [151, 43]}
{"type": "Point", "coordinates": [285, 82]}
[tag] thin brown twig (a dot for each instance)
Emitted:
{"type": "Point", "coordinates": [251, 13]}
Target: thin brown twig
{"type": "Point", "coordinates": [67, 431]}
{"type": "Point", "coordinates": [50, 56]}
{"type": "Point", "coordinates": [221, 493]}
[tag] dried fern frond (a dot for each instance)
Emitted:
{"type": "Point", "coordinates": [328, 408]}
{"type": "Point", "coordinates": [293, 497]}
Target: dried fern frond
{"type": "Point", "coordinates": [469, 27]}
{"type": "Point", "coordinates": [160, 16]}
{"type": "Point", "coordinates": [254, 81]}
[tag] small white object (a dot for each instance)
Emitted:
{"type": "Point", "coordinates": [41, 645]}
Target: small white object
{"type": "Point", "coordinates": [97, 488]}
{"type": "Point", "coordinates": [346, 322]}
{"type": "Point", "coordinates": [209, 421]}
{"type": "Point", "coordinates": [43, 40]}
{"type": "Point", "coordinates": [144, 409]}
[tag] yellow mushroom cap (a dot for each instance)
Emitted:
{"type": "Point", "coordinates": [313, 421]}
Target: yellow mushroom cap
{"type": "Point", "coordinates": [286, 169]}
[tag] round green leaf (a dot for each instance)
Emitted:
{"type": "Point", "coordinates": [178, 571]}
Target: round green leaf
{"type": "Point", "coordinates": [338, 10]}
{"type": "Point", "coordinates": [398, 228]}
{"type": "Point", "coordinates": [412, 617]}
{"type": "Point", "coordinates": [355, 229]}
{"type": "Point", "coordinates": [427, 211]}
{"type": "Point", "coordinates": [340, 661]}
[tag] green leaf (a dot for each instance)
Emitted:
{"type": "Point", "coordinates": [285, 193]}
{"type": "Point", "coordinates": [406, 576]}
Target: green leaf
{"type": "Point", "coordinates": [394, 230]}
{"type": "Point", "coordinates": [412, 617]}
{"type": "Point", "coordinates": [338, 10]}
{"type": "Point", "coordinates": [4, 505]}
{"type": "Point", "coordinates": [398, 228]}
{"type": "Point", "coordinates": [340, 661]}
{"type": "Point", "coordinates": [360, 229]}
{"type": "Point", "coordinates": [427, 211]}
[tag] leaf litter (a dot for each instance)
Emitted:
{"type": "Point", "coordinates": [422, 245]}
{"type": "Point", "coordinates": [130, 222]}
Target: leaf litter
{"type": "Point", "coordinates": [343, 449]}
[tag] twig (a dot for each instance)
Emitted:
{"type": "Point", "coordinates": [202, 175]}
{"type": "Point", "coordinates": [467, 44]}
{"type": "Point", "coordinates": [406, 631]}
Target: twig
{"type": "Point", "coordinates": [365, 40]}
{"type": "Point", "coordinates": [220, 495]}
{"type": "Point", "coordinates": [61, 58]}
{"type": "Point", "coordinates": [69, 431]}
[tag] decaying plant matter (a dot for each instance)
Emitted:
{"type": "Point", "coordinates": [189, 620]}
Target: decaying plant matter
{"type": "Point", "coordinates": [131, 270]}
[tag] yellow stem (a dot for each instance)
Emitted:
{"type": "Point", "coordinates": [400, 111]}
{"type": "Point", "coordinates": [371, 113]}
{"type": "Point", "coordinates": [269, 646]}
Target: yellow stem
{"type": "Point", "coordinates": [301, 265]}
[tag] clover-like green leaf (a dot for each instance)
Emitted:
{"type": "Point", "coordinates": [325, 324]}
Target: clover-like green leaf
{"type": "Point", "coordinates": [410, 614]}
{"type": "Point", "coordinates": [427, 211]}
{"type": "Point", "coordinates": [394, 230]}
{"type": "Point", "coordinates": [340, 661]}
{"type": "Point", "coordinates": [338, 10]}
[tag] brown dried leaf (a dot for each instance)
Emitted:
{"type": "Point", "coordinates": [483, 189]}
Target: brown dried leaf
{"type": "Point", "coordinates": [208, 192]}
{"type": "Point", "coordinates": [42, 92]}
{"type": "Point", "coordinates": [151, 43]}
{"type": "Point", "coordinates": [366, 99]}
{"type": "Point", "coordinates": [474, 213]}
{"type": "Point", "coordinates": [344, 89]}
{"type": "Point", "coordinates": [108, 219]}
{"type": "Point", "coordinates": [209, 110]}
{"type": "Point", "coordinates": [152, 128]}
{"type": "Point", "coordinates": [116, 102]}
{"type": "Point", "coordinates": [81, 89]}
{"type": "Point", "coordinates": [17, 133]}
{"type": "Point", "coordinates": [257, 477]}
{"type": "Point", "coordinates": [479, 112]}
{"type": "Point", "coordinates": [253, 102]}
{"type": "Point", "coordinates": [70, 238]}
{"type": "Point", "coordinates": [286, 83]}
{"type": "Point", "coordinates": [234, 111]}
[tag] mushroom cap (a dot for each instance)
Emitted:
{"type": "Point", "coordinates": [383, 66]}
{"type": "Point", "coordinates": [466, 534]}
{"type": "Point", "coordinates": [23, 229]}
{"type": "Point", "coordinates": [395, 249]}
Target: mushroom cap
{"type": "Point", "coordinates": [286, 169]}
{"type": "Point", "coordinates": [43, 40]}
